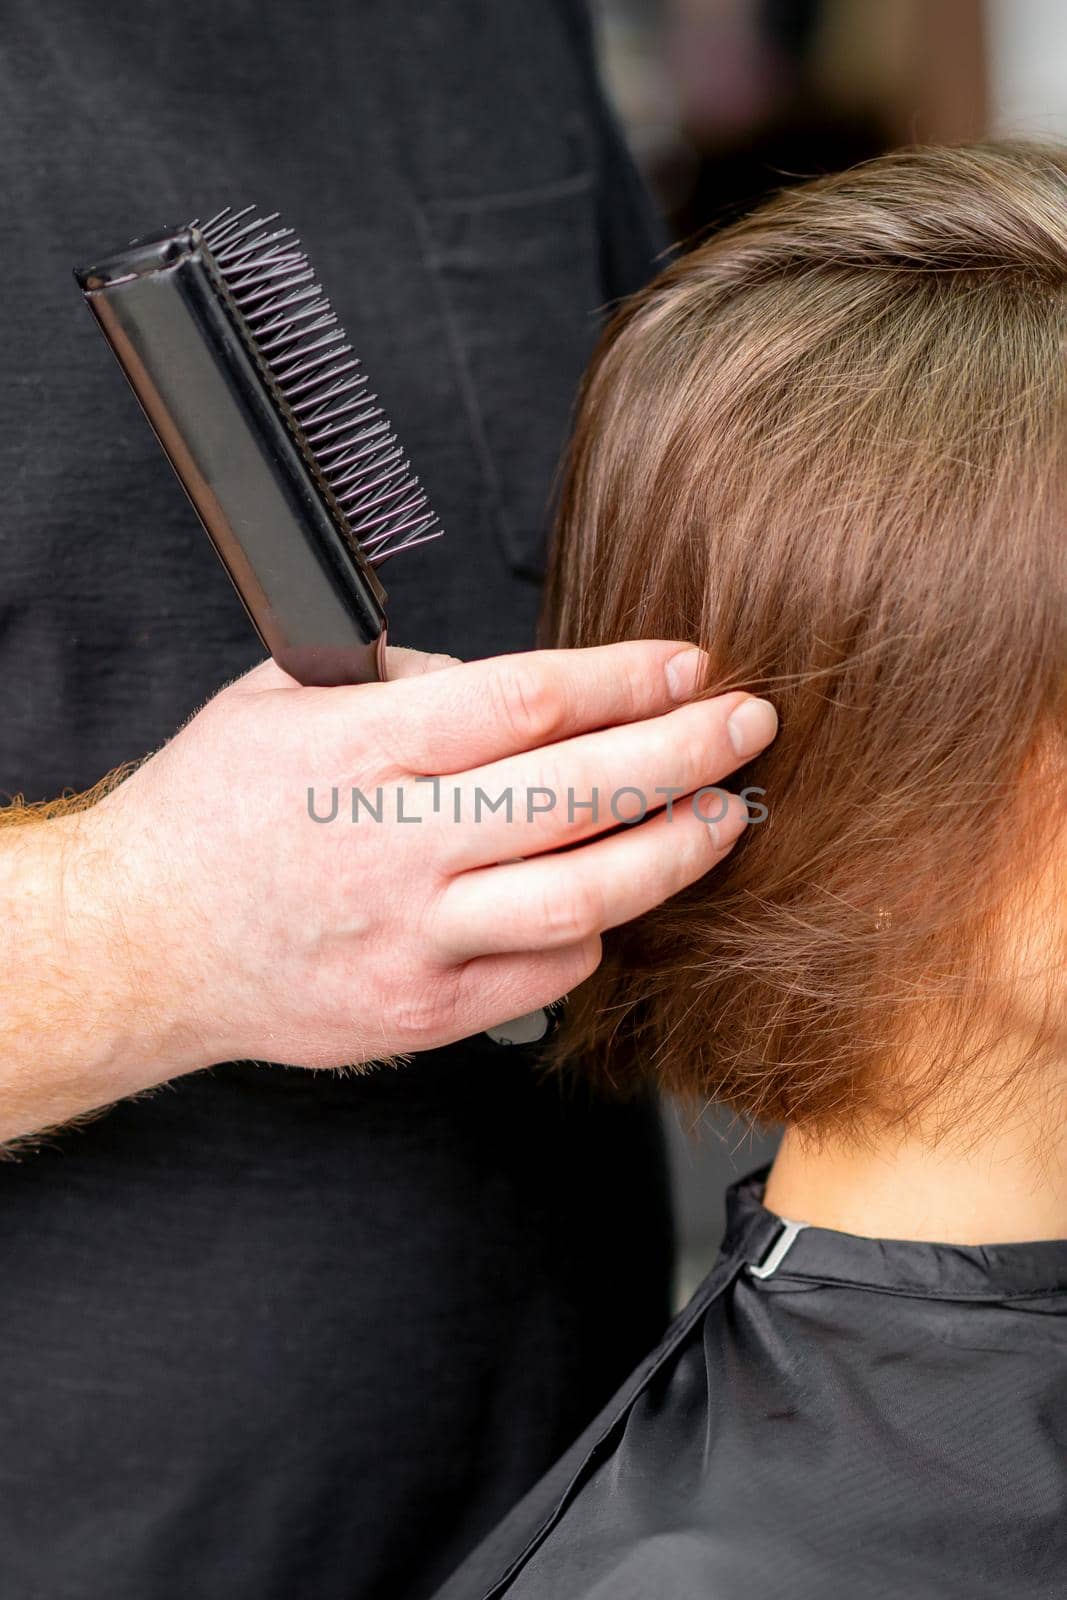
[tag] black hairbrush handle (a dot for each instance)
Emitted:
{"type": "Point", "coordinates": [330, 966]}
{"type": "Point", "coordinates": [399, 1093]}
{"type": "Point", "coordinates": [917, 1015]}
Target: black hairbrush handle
{"type": "Point", "coordinates": [230, 437]}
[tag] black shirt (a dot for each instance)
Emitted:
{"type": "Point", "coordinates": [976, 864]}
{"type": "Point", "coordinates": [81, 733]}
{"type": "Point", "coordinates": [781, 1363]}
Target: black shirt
{"type": "Point", "coordinates": [871, 1420]}
{"type": "Point", "coordinates": [266, 1333]}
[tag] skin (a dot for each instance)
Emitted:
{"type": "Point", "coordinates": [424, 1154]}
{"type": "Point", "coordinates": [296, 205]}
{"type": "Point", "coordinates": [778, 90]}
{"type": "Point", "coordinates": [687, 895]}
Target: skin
{"type": "Point", "coordinates": [986, 1166]}
{"type": "Point", "coordinates": [197, 914]}
{"type": "Point", "coordinates": [1007, 1188]}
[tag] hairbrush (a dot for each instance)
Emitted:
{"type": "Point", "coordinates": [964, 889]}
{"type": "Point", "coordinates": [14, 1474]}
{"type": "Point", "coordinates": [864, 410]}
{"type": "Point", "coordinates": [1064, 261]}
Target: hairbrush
{"type": "Point", "coordinates": [263, 409]}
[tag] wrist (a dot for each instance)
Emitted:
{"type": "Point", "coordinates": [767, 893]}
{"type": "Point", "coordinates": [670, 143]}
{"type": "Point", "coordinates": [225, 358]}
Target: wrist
{"type": "Point", "coordinates": [114, 923]}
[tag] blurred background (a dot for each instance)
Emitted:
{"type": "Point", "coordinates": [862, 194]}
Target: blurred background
{"type": "Point", "coordinates": [725, 101]}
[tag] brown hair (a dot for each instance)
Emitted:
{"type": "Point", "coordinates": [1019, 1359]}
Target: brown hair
{"type": "Point", "coordinates": [828, 445]}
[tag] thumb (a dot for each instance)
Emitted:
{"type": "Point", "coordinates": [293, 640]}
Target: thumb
{"type": "Point", "coordinates": [401, 663]}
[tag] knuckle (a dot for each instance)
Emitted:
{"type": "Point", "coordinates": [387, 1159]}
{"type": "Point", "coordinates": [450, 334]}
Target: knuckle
{"type": "Point", "coordinates": [698, 751]}
{"type": "Point", "coordinates": [530, 704]}
{"type": "Point", "coordinates": [635, 687]}
{"type": "Point", "coordinates": [681, 753]}
{"type": "Point", "coordinates": [540, 797]}
{"type": "Point", "coordinates": [587, 957]}
{"type": "Point", "coordinates": [573, 911]}
{"type": "Point", "coordinates": [422, 1012]}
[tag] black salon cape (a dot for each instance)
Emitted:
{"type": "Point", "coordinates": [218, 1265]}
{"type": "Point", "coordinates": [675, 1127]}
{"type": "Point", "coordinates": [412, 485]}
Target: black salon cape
{"type": "Point", "coordinates": [875, 1420]}
{"type": "Point", "coordinates": [268, 1334]}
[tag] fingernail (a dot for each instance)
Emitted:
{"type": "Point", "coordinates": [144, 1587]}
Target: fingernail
{"type": "Point", "coordinates": [683, 670]}
{"type": "Point", "coordinates": [729, 830]}
{"type": "Point", "coordinates": [751, 726]}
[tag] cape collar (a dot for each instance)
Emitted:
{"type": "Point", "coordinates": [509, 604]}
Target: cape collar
{"type": "Point", "coordinates": [768, 1246]}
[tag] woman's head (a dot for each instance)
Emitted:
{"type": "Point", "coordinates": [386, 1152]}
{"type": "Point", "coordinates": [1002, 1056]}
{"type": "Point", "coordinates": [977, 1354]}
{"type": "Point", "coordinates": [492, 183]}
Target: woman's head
{"type": "Point", "coordinates": [830, 446]}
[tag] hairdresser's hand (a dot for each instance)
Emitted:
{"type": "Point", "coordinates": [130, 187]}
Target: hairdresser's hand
{"type": "Point", "coordinates": [227, 923]}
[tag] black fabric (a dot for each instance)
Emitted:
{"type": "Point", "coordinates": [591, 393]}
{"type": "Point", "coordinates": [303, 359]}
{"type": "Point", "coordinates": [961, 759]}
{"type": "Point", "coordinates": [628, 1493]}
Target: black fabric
{"type": "Point", "coordinates": [469, 207]}
{"type": "Point", "coordinates": [874, 1420]}
{"type": "Point", "coordinates": [266, 1334]}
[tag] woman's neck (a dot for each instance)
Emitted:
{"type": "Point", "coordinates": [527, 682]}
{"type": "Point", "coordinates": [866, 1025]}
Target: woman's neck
{"type": "Point", "coordinates": [1006, 1187]}
{"type": "Point", "coordinates": [996, 1176]}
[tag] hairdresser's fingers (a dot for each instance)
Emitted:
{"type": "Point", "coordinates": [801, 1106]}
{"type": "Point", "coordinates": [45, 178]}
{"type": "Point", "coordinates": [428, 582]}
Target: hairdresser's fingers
{"type": "Point", "coordinates": [496, 988]}
{"type": "Point", "coordinates": [556, 901]}
{"type": "Point", "coordinates": [399, 663]}
{"type": "Point", "coordinates": [479, 711]}
{"type": "Point", "coordinates": [589, 785]}
{"type": "Point", "coordinates": [267, 676]}
{"type": "Point", "coordinates": [403, 663]}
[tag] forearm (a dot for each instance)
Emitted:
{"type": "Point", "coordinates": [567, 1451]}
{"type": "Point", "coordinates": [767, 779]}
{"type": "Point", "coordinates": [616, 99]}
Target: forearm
{"type": "Point", "coordinates": [83, 1019]}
